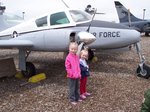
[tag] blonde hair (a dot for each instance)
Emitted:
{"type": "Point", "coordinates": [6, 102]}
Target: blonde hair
{"type": "Point", "coordinates": [84, 51]}
{"type": "Point", "coordinates": [73, 44]}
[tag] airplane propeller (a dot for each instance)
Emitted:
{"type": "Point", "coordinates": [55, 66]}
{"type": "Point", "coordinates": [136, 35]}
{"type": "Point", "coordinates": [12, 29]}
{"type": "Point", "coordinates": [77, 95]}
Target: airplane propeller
{"type": "Point", "coordinates": [91, 20]}
{"type": "Point", "coordinates": [84, 38]}
{"type": "Point", "coordinates": [90, 52]}
{"type": "Point", "coordinates": [80, 47]}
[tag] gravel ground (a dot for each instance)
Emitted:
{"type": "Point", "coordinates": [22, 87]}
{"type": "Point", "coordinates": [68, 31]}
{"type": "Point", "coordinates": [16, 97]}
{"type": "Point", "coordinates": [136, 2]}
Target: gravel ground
{"type": "Point", "coordinates": [113, 84]}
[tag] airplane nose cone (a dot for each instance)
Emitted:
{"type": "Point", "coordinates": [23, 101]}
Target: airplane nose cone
{"type": "Point", "coordinates": [135, 36]}
{"type": "Point", "coordinates": [86, 37]}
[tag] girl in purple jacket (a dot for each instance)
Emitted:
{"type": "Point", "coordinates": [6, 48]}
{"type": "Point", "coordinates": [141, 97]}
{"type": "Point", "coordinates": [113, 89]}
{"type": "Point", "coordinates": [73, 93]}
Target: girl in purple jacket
{"type": "Point", "coordinates": [73, 73]}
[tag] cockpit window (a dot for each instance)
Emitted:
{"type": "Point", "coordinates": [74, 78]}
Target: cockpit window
{"type": "Point", "coordinates": [41, 22]}
{"type": "Point", "coordinates": [79, 16]}
{"type": "Point", "coordinates": [59, 18]}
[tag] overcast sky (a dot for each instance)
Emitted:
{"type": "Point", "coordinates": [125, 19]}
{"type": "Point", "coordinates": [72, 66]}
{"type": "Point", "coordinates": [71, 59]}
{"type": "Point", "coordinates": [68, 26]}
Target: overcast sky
{"type": "Point", "coordinates": [37, 7]}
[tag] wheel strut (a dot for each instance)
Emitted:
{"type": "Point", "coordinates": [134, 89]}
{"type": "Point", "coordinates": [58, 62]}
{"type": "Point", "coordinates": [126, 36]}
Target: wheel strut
{"type": "Point", "coordinates": [143, 70]}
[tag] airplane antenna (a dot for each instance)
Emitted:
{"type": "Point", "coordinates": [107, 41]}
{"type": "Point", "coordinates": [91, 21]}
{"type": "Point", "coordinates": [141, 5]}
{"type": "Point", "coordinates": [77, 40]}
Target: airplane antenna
{"type": "Point", "coordinates": [91, 20]}
{"type": "Point", "coordinates": [129, 17]}
{"type": "Point", "coordinates": [65, 4]}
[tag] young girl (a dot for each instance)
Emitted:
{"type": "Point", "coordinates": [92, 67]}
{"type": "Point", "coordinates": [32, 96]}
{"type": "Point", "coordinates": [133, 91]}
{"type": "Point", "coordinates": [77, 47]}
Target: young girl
{"type": "Point", "coordinates": [84, 74]}
{"type": "Point", "coordinates": [73, 73]}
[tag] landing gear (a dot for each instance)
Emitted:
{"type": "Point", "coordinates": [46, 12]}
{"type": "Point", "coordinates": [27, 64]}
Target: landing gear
{"type": "Point", "coordinates": [27, 68]}
{"type": "Point", "coordinates": [146, 34]}
{"type": "Point", "coordinates": [91, 54]}
{"type": "Point", "coordinates": [145, 73]}
{"type": "Point", "coordinates": [143, 70]}
{"type": "Point", "coordinates": [30, 70]}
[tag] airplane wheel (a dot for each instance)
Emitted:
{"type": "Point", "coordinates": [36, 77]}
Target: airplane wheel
{"type": "Point", "coordinates": [91, 54]}
{"type": "Point", "coordinates": [146, 34]}
{"type": "Point", "coordinates": [146, 72]}
{"type": "Point", "coordinates": [30, 70]}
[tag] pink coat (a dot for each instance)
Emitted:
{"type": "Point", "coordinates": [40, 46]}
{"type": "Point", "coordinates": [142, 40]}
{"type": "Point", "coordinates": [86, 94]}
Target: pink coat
{"type": "Point", "coordinates": [72, 66]}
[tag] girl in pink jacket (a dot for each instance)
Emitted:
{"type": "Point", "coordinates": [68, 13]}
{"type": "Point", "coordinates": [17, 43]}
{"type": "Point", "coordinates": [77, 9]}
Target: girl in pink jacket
{"type": "Point", "coordinates": [73, 73]}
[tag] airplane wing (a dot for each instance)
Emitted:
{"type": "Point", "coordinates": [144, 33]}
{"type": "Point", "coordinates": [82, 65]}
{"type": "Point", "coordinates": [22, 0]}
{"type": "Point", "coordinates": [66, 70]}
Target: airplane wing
{"type": "Point", "coordinates": [15, 43]}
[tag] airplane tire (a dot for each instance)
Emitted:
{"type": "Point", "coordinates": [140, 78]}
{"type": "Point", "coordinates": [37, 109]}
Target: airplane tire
{"type": "Point", "coordinates": [30, 70]}
{"type": "Point", "coordinates": [91, 54]}
{"type": "Point", "coordinates": [145, 74]}
{"type": "Point", "coordinates": [146, 34]}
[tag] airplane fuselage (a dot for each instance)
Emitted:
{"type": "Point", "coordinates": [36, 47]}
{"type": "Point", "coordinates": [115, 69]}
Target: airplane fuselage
{"type": "Point", "coordinates": [46, 36]}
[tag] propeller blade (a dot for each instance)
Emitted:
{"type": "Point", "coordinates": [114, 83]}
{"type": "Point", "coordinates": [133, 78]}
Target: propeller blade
{"type": "Point", "coordinates": [88, 29]}
{"type": "Point", "coordinates": [80, 48]}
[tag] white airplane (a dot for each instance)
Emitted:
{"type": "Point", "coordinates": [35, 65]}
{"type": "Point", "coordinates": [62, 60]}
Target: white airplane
{"type": "Point", "coordinates": [54, 31]}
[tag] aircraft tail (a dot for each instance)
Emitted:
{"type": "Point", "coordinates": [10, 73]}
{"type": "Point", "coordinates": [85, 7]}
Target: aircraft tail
{"type": "Point", "coordinates": [123, 13]}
